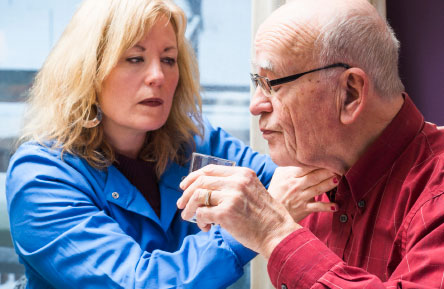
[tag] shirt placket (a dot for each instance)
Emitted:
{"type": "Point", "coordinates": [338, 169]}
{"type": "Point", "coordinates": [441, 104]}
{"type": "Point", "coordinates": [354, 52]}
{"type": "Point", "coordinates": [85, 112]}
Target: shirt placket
{"type": "Point", "coordinates": [342, 224]}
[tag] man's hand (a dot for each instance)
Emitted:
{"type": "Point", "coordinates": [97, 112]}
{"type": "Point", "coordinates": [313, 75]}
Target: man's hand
{"type": "Point", "coordinates": [239, 203]}
{"type": "Point", "coordinates": [297, 187]}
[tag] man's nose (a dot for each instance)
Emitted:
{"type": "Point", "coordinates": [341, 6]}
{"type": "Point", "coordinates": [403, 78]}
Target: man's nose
{"type": "Point", "coordinates": [260, 103]}
{"type": "Point", "coordinates": [154, 75]}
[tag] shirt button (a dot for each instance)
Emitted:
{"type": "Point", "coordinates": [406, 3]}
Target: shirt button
{"type": "Point", "coordinates": [283, 286]}
{"type": "Point", "coordinates": [343, 218]}
{"type": "Point", "coordinates": [361, 204]}
{"type": "Point", "coordinates": [115, 195]}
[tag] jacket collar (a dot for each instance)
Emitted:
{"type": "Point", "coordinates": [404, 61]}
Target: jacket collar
{"type": "Point", "coordinates": [120, 191]}
{"type": "Point", "coordinates": [129, 198]}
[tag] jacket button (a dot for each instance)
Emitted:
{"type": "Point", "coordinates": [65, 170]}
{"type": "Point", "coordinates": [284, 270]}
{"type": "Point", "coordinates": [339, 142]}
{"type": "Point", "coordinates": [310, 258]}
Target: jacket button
{"type": "Point", "coordinates": [115, 195]}
{"type": "Point", "coordinates": [361, 204]}
{"type": "Point", "coordinates": [283, 286]}
{"type": "Point", "coordinates": [343, 218]}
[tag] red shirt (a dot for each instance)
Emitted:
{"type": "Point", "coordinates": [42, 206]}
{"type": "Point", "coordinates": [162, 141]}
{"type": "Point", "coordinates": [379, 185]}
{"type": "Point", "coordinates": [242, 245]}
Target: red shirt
{"type": "Point", "coordinates": [389, 230]}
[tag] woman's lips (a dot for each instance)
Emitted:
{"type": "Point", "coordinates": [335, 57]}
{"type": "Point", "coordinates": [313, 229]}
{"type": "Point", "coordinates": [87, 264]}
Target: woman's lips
{"type": "Point", "coordinates": [153, 102]}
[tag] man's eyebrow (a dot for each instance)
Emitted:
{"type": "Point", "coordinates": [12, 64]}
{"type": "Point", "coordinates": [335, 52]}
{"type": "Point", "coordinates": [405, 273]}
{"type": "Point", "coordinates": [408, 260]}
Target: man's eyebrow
{"type": "Point", "coordinates": [262, 64]}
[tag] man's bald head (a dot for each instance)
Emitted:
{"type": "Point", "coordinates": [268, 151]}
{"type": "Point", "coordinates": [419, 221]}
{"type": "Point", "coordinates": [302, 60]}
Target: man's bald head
{"type": "Point", "coordinates": [329, 31]}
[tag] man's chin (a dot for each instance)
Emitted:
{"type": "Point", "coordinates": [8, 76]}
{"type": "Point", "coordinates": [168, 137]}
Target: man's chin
{"type": "Point", "coordinates": [282, 159]}
{"type": "Point", "coordinates": [285, 159]}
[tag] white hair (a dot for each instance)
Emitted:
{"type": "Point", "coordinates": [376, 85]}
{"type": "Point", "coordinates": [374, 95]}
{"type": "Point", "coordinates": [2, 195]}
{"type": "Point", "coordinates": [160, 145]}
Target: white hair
{"type": "Point", "coordinates": [362, 40]}
{"type": "Point", "coordinates": [263, 64]}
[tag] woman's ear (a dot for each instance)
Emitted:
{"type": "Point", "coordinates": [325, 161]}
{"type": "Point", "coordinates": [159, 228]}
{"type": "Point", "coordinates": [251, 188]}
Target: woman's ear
{"type": "Point", "coordinates": [354, 84]}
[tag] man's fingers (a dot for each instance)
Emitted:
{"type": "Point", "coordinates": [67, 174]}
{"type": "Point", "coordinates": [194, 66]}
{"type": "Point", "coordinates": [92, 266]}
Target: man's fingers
{"type": "Point", "coordinates": [188, 180]}
{"type": "Point", "coordinates": [211, 177]}
{"type": "Point", "coordinates": [199, 198]}
{"type": "Point", "coordinates": [206, 215]}
{"type": "Point", "coordinates": [203, 226]}
{"type": "Point", "coordinates": [201, 182]}
{"type": "Point", "coordinates": [209, 170]}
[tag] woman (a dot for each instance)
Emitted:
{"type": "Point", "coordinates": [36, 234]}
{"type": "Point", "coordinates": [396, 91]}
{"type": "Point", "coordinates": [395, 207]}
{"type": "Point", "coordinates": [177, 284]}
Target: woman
{"type": "Point", "coordinates": [114, 115]}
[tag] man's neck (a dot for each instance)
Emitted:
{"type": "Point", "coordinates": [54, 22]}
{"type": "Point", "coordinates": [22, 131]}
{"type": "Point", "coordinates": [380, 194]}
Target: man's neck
{"type": "Point", "coordinates": [379, 114]}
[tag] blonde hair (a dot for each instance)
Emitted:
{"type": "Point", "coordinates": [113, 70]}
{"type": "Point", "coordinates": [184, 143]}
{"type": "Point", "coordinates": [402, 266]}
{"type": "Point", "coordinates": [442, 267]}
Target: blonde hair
{"type": "Point", "coordinates": [65, 90]}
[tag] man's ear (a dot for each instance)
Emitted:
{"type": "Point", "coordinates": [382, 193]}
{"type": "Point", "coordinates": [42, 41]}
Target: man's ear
{"type": "Point", "coordinates": [354, 85]}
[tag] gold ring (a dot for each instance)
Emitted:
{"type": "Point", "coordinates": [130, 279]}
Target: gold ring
{"type": "Point", "coordinates": [208, 198]}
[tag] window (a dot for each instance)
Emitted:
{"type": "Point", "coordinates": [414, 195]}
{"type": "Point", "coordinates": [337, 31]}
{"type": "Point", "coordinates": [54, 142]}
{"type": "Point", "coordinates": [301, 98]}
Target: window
{"type": "Point", "coordinates": [220, 34]}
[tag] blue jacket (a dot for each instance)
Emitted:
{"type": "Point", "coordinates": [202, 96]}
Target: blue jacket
{"type": "Point", "coordinates": [74, 226]}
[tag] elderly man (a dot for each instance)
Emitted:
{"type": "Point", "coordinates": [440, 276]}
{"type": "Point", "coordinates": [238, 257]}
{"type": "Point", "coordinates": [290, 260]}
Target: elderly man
{"type": "Point", "coordinates": [329, 96]}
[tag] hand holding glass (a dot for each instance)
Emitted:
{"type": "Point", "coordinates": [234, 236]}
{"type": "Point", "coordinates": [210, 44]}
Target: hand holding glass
{"type": "Point", "coordinates": [200, 160]}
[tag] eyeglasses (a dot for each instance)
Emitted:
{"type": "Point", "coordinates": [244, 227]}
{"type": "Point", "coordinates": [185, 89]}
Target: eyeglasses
{"type": "Point", "coordinates": [267, 84]}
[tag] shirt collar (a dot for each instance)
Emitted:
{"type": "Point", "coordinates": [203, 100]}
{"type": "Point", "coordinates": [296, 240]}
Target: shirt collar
{"type": "Point", "coordinates": [383, 153]}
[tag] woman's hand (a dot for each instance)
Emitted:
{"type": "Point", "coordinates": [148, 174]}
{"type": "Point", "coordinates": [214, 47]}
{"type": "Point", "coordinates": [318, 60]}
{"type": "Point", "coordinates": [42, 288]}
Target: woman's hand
{"type": "Point", "coordinates": [297, 187]}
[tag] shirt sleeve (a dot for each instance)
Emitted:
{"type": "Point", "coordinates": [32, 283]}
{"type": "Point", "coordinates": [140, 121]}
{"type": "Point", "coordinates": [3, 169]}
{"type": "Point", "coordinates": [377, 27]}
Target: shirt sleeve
{"type": "Point", "coordinates": [66, 240]}
{"type": "Point", "coordinates": [303, 261]}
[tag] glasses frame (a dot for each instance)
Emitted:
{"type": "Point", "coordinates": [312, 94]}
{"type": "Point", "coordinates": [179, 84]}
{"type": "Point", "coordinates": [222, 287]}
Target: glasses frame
{"type": "Point", "coordinates": [267, 84]}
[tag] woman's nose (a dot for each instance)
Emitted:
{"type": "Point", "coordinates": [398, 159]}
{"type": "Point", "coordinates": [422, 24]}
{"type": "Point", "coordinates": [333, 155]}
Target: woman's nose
{"type": "Point", "coordinates": [260, 103]}
{"type": "Point", "coordinates": [154, 73]}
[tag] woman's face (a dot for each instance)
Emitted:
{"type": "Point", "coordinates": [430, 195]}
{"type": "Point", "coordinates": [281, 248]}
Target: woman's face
{"type": "Point", "coordinates": [138, 93]}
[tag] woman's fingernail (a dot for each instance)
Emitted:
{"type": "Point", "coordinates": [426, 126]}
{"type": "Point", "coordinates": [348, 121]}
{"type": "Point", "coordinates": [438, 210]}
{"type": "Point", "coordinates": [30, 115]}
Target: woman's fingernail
{"type": "Point", "coordinates": [333, 208]}
{"type": "Point", "coordinates": [335, 180]}
{"type": "Point", "coordinates": [179, 202]}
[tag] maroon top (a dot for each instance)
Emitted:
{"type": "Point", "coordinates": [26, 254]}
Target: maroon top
{"type": "Point", "coordinates": [142, 175]}
{"type": "Point", "coordinates": [389, 230]}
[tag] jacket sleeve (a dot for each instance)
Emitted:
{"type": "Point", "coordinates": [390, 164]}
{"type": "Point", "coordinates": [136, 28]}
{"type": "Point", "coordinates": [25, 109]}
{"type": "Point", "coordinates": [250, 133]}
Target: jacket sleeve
{"type": "Point", "coordinates": [218, 142]}
{"type": "Point", "coordinates": [66, 241]}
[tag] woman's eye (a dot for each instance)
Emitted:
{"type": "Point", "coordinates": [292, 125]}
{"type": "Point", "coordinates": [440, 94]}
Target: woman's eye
{"type": "Point", "coordinates": [135, 59]}
{"type": "Point", "coordinates": [169, 60]}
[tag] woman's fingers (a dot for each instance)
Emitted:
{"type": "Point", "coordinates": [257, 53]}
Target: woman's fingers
{"type": "Point", "coordinates": [288, 182]}
{"type": "Point", "coordinates": [317, 177]}
{"type": "Point", "coordinates": [296, 189]}
{"type": "Point", "coordinates": [320, 188]}
{"type": "Point", "coordinates": [322, 207]}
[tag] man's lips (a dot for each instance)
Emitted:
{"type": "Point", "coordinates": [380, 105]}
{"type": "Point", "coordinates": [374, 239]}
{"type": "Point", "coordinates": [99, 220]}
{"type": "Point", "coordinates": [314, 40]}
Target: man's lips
{"type": "Point", "coordinates": [266, 132]}
{"type": "Point", "coordinates": [152, 102]}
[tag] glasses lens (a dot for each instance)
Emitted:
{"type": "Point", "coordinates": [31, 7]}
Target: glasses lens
{"type": "Point", "coordinates": [253, 78]}
{"type": "Point", "coordinates": [264, 85]}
